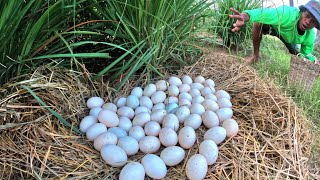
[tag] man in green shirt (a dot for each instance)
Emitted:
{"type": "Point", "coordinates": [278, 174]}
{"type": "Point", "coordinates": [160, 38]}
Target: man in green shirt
{"type": "Point", "coordinates": [290, 24]}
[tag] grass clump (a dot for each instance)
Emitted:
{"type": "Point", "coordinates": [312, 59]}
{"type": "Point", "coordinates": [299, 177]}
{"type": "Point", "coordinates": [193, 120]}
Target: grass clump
{"type": "Point", "coordinates": [222, 23]}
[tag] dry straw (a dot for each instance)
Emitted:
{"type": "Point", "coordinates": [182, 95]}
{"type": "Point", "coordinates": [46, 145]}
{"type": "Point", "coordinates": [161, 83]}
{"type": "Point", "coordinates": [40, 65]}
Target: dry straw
{"type": "Point", "coordinates": [274, 141]}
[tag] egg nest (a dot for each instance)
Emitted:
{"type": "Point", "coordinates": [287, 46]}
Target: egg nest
{"type": "Point", "coordinates": [274, 139]}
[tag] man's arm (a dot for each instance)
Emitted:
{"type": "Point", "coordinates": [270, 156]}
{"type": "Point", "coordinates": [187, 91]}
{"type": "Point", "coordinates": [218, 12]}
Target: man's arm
{"type": "Point", "coordinates": [272, 16]}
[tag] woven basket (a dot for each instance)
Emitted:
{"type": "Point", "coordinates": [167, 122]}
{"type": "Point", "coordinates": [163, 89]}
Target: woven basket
{"type": "Point", "coordinates": [303, 73]}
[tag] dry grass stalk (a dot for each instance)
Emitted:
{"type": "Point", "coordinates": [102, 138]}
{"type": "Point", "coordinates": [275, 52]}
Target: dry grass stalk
{"type": "Point", "coordinates": [273, 142]}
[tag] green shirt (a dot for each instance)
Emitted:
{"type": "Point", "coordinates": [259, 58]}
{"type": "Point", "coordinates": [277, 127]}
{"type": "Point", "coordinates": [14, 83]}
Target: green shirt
{"type": "Point", "coordinates": [284, 20]}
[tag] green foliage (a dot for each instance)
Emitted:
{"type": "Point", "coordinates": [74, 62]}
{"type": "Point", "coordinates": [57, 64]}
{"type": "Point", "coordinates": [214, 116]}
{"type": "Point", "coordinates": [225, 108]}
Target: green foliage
{"type": "Point", "coordinates": [138, 35]}
{"type": "Point", "coordinates": [34, 32]}
{"type": "Point", "coordinates": [222, 24]}
{"type": "Point", "coordinates": [155, 32]}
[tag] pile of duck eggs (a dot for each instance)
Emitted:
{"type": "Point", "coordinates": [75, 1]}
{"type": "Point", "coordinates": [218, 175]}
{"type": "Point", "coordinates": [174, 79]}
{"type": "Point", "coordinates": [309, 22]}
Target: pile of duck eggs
{"type": "Point", "coordinates": [164, 115]}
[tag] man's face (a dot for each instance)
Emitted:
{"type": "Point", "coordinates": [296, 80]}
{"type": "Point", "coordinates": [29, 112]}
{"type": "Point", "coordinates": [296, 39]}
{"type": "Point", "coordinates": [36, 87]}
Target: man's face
{"type": "Point", "coordinates": [307, 21]}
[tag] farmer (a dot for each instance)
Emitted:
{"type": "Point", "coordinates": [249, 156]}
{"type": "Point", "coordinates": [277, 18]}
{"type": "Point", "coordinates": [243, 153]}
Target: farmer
{"type": "Point", "coordinates": [290, 24]}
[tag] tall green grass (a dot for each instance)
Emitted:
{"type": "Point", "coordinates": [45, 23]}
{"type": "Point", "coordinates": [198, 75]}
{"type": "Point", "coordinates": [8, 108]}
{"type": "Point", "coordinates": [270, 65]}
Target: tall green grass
{"type": "Point", "coordinates": [37, 32]}
{"type": "Point", "coordinates": [159, 31]}
{"type": "Point", "coordinates": [222, 23]}
{"type": "Point", "coordinates": [116, 38]}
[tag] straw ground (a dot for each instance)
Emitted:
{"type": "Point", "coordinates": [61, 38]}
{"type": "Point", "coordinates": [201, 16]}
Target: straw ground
{"type": "Point", "coordinates": [274, 142]}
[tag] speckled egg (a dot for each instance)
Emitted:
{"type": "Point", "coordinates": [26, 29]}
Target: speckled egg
{"type": "Point", "coordinates": [94, 102]}
{"type": "Point", "coordinates": [132, 171]}
{"type": "Point", "coordinates": [114, 155]}
{"type": "Point", "coordinates": [172, 155]}
{"type": "Point", "coordinates": [154, 166]}
{"type": "Point", "coordinates": [196, 168]}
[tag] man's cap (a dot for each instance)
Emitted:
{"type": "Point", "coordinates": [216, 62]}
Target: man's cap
{"type": "Point", "coordinates": [313, 7]}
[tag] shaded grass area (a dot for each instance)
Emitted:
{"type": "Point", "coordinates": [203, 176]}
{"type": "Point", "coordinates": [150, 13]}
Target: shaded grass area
{"type": "Point", "coordinates": [275, 63]}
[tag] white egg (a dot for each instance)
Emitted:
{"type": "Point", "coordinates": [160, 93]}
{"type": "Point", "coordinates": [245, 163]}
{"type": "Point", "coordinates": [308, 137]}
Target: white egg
{"type": "Point", "coordinates": [171, 99]}
{"type": "Point", "coordinates": [168, 137]}
{"type": "Point", "coordinates": [224, 103]}
{"type": "Point", "coordinates": [209, 82]}
{"type": "Point", "coordinates": [132, 171]}
{"type": "Point", "coordinates": [162, 85]}
{"type": "Point", "coordinates": [170, 121]}
{"type": "Point", "coordinates": [182, 112]}
{"type": "Point", "coordinates": [154, 166]}
{"type": "Point", "coordinates": [158, 97]}
{"type": "Point", "coordinates": [158, 106]}
{"type": "Point", "coordinates": [126, 111]}
{"type": "Point", "coordinates": [149, 144]}
{"type": "Point", "coordinates": [94, 102]}
{"type": "Point", "coordinates": [95, 130]}
{"type": "Point", "coordinates": [197, 99]}
{"type": "Point", "coordinates": [119, 132]}
{"type": "Point", "coordinates": [129, 144]}
{"type": "Point", "coordinates": [210, 105]}
{"type": "Point", "coordinates": [197, 108]}
{"type": "Point", "coordinates": [133, 101]}
{"type": "Point", "coordinates": [184, 102]}
{"type": "Point", "coordinates": [196, 168]}
{"type": "Point", "coordinates": [172, 155]}
{"type": "Point", "coordinates": [184, 88]}
{"type": "Point", "coordinates": [216, 134]}
{"type": "Point", "coordinates": [186, 79]}
{"type": "Point", "coordinates": [146, 102]}
{"type": "Point", "coordinates": [152, 128]}
{"type": "Point", "coordinates": [120, 102]}
{"type": "Point", "coordinates": [171, 107]}
{"type": "Point", "coordinates": [199, 79]}
{"type": "Point", "coordinates": [231, 126]}
{"type": "Point", "coordinates": [110, 106]}
{"type": "Point", "coordinates": [108, 118]}
{"type": "Point", "coordinates": [141, 109]}
{"type": "Point", "coordinates": [211, 97]}
{"type": "Point", "coordinates": [207, 90]}
{"type": "Point", "coordinates": [137, 132]}
{"type": "Point", "coordinates": [196, 85]}
{"type": "Point", "coordinates": [210, 119]}
{"type": "Point", "coordinates": [104, 139]}
{"type": "Point", "coordinates": [158, 115]}
{"type": "Point", "coordinates": [187, 137]}
{"type": "Point", "coordinates": [185, 95]}
{"type": "Point", "coordinates": [86, 122]}
{"type": "Point", "coordinates": [209, 150]}
{"type": "Point", "coordinates": [193, 120]}
{"type": "Point", "coordinates": [224, 113]}
{"type": "Point", "coordinates": [174, 81]}
{"type": "Point", "coordinates": [195, 92]}
{"type": "Point", "coordinates": [173, 90]}
{"type": "Point", "coordinates": [222, 94]}
{"type": "Point", "coordinates": [149, 90]}
{"type": "Point", "coordinates": [114, 155]}
{"type": "Point", "coordinates": [95, 111]}
{"type": "Point", "coordinates": [141, 119]}
{"type": "Point", "coordinates": [137, 91]}
{"type": "Point", "coordinates": [125, 123]}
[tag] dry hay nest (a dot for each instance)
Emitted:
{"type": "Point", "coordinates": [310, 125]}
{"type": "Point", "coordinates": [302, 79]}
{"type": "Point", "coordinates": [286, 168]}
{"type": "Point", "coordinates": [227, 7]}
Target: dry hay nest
{"type": "Point", "coordinates": [273, 142]}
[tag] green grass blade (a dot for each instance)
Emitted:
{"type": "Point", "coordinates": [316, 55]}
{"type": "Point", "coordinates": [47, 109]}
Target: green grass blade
{"type": "Point", "coordinates": [57, 115]}
{"type": "Point", "coordinates": [79, 55]}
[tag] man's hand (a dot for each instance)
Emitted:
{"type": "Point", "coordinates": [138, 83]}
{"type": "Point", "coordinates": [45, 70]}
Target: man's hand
{"type": "Point", "coordinates": [242, 18]}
